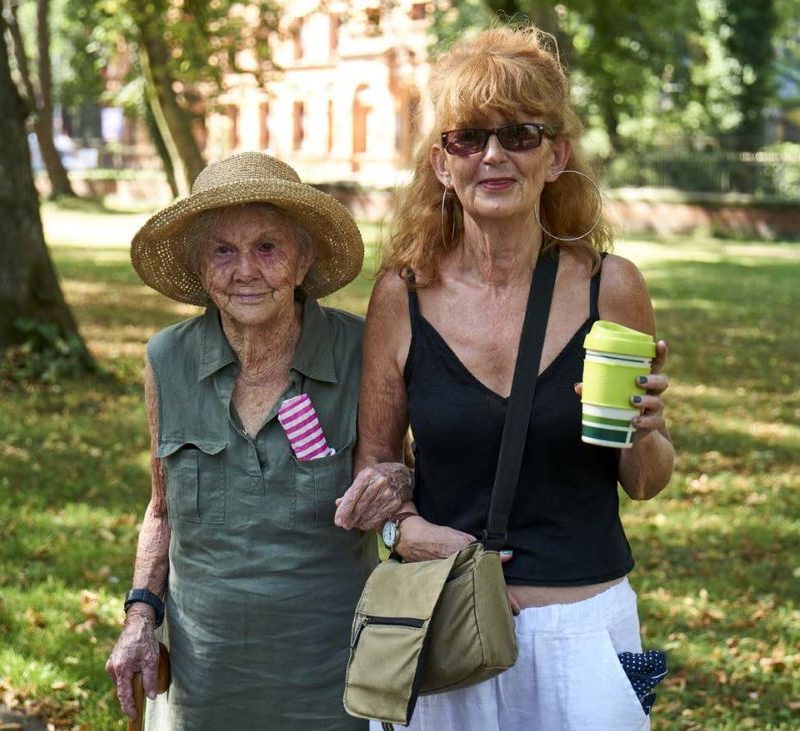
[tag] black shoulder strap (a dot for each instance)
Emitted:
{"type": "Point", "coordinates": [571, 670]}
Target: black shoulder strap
{"type": "Point", "coordinates": [520, 402]}
{"type": "Point", "coordinates": [594, 290]}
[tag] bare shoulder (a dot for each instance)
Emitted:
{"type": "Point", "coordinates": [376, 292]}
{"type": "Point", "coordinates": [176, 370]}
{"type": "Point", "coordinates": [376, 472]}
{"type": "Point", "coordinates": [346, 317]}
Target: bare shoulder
{"type": "Point", "coordinates": [388, 328]}
{"type": "Point", "coordinates": [624, 297]}
{"type": "Point", "coordinates": [390, 294]}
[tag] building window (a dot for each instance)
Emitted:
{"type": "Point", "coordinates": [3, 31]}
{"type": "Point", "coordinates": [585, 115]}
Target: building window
{"type": "Point", "coordinates": [335, 25]}
{"type": "Point", "coordinates": [360, 115]}
{"type": "Point", "coordinates": [296, 33]}
{"type": "Point", "coordinates": [330, 125]}
{"type": "Point", "coordinates": [372, 21]}
{"type": "Point", "coordinates": [264, 131]}
{"type": "Point", "coordinates": [299, 132]}
{"type": "Point", "coordinates": [419, 11]}
{"type": "Point", "coordinates": [233, 126]}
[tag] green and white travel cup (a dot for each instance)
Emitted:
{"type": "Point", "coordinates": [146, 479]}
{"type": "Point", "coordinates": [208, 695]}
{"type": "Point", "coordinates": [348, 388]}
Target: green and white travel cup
{"type": "Point", "coordinates": [615, 356]}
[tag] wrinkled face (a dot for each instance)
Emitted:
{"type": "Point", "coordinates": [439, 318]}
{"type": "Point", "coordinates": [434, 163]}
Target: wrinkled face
{"type": "Point", "coordinates": [498, 183]}
{"type": "Point", "coordinates": [251, 264]}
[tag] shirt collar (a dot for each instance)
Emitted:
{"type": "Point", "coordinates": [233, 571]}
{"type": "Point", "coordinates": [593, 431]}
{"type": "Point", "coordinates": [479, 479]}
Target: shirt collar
{"type": "Point", "coordinates": [215, 351]}
{"type": "Point", "coordinates": [313, 356]}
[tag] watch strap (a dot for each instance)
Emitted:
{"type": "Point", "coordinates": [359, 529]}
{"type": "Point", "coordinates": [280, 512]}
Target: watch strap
{"type": "Point", "coordinates": [400, 517]}
{"type": "Point", "coordinates": [145, 596]}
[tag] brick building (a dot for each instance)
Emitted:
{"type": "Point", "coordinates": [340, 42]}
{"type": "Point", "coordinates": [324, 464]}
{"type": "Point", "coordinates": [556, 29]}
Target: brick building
{"type": "Point", "coordinates": [347, 101]}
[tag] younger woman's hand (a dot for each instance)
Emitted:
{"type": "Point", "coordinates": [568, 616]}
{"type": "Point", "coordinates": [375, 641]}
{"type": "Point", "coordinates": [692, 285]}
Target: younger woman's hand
{"type": "Point", "coordinates": [422, 541]}
{"type": "Point", "coordinates": [651, 403]}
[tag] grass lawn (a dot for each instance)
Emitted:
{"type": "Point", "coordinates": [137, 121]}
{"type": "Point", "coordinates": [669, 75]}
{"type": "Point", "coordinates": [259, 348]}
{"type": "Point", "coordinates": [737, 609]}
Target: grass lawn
{"type": "Point", "coordinates": [718, 553]}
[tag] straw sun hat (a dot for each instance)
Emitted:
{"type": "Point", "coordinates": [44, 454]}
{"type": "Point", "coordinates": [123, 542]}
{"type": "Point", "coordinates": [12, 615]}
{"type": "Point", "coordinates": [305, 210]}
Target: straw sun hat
{"type": "Point", "coordinates": [160, 251]}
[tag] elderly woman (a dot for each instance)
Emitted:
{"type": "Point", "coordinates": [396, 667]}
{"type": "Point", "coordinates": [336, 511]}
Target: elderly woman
{"type": "Point", "coordinates": [501, 184]}
{"type": "Point", "coordinates": [260, 585]}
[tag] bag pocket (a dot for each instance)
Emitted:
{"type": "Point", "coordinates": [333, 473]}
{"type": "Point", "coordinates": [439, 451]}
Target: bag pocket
{"type": "Point", "coordinates": [384, 672]}
{"type": "Point", "coordinates": [317, 484]}
{"type": "Point", "coordinates": [195, 480]}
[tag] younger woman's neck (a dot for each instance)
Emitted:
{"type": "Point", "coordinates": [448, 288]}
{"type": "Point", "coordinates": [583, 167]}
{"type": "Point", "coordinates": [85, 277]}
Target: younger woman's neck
{"type": "Point", "coordinates": [500, 253]}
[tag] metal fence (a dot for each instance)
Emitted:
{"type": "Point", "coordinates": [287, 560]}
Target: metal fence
{"type": "Point", "coordinates": [761, 174]}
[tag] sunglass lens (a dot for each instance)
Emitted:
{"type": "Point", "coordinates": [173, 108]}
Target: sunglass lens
{"type": "Point", "coordinates": [466, 141]}
{"type": "Point", "coordinates": [520, 137]}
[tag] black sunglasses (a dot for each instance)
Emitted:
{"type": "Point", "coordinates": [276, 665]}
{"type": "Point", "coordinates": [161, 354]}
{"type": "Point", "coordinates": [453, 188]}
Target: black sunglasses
{"type": "Point", "coordinates": [513, 137]}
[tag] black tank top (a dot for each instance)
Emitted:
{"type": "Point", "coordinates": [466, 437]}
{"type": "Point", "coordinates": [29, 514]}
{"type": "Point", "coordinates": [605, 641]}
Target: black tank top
{"type": "Point", "coordinates": [565, 528]}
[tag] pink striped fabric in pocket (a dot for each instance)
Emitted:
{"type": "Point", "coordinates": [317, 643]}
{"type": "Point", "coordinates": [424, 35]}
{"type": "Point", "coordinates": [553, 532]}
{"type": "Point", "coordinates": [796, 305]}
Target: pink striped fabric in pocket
{"type": "Point", "coordinates": [303, 430]}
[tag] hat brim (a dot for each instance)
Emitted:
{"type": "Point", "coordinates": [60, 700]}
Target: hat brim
{"type": "Point", "coordinates": [160, 251]}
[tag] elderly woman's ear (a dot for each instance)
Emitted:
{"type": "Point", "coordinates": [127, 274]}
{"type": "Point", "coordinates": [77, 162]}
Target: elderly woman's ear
{"type": "Point", "coordinates": [308, 255]}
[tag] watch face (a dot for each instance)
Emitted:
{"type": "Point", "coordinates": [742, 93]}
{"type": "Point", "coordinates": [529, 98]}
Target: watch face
{"type": "Point", "coordinates": [389, 533]}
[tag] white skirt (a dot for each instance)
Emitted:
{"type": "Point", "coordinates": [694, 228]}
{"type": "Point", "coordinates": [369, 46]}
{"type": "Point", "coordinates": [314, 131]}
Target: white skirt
{"type": "Point", "coordinates": [567, 676]}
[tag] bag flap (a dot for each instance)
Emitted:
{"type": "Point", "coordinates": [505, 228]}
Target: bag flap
{"type": "Point", "coordinates": [387, 592]}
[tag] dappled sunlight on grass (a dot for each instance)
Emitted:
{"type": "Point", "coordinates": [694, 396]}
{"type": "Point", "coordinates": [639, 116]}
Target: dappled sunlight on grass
{"type": "Point", "coordinates": [718, 569]}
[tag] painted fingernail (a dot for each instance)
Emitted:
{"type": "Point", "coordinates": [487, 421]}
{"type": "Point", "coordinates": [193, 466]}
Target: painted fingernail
{"type": "Point", "coordinates": [506, 552]}
{"type": "Point", "coordinates": [641, 379]}
{"type": "Point", "coordinates": [636, 399]}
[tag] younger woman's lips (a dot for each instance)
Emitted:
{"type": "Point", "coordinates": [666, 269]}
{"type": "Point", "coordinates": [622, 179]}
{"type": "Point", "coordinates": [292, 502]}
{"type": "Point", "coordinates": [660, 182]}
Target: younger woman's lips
{"type": "Point", "coordinates": [497, 183]}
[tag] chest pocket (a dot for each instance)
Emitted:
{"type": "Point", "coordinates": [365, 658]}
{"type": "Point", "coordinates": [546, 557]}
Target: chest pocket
{"type": "Point", "coordinates": [195, 480]}
{"type": "Point", "coordinates": [317, 484]}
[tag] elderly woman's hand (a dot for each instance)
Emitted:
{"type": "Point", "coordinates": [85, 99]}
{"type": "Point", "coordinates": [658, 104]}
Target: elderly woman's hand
{"type": "Point", "coordinates": [136, 651]}
{"type": "Point", "coordinates": [375, 496]}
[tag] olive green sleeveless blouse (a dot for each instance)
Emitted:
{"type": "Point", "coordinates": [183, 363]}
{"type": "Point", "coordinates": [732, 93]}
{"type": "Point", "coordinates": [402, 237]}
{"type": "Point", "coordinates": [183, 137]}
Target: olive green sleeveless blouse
{"type": "Point", "coordinates": [262, 585]}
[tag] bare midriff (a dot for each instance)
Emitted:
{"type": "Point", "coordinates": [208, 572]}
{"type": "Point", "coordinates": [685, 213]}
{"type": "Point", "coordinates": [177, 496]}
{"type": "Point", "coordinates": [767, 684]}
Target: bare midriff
{"type": "Point", "coordinates": [542, 596]}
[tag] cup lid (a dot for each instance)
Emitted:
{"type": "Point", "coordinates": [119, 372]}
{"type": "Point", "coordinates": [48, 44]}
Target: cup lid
{"type": "Point", "coordinates": [610, 337]}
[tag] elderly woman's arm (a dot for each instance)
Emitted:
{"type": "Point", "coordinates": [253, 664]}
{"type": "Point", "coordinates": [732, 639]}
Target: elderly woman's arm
{"type": "Point", "coordinates": [382, 487]}
{"type": "Point", "coordinates": [645, 468]}
{"type": "Point", "coordinates": [137, 648]}
{"type": "Point", "coordinates": [382, 479]}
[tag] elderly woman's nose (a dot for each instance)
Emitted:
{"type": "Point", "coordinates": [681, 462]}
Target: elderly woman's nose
{"type": "Point", "coordinates": [246, 264]}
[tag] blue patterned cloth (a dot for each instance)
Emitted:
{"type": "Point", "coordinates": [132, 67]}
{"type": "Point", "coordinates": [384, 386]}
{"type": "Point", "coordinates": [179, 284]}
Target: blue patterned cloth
{"type": "Point", "coordinates": [645, 670]}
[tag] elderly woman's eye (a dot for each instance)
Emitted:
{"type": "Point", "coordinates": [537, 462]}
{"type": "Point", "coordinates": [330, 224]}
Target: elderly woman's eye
{"type": "Point", "coordinates": [222, 249]}
{"type": "Point", "coordinates": [266, 246]}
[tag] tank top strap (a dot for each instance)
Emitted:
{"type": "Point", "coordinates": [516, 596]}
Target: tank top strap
{"type": "Point", "coordinates": [594, 290]}
{"type": "Point", "coordinates": [413, 301]}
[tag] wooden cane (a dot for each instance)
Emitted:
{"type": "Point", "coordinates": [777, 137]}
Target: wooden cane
{"type": "Point", "coordinates": [162, 683]}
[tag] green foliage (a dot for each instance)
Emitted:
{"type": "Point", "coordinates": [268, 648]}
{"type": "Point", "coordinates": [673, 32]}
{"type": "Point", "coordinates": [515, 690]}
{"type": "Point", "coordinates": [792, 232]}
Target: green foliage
{"type": "Point", "coordinates": [44, 354]}
{"type": "Point", "coordinates": [649, 73]}
{"type": "Point", "coordinates": [717, 565]}
{"type": "Point", "coordinates": [747, 29]}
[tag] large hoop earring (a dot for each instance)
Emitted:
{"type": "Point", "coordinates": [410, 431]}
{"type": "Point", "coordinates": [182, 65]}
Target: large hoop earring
{"type": "Point", "coordinates": [594, 225]}
{"type": "Point", "coordinates": [453, 225]}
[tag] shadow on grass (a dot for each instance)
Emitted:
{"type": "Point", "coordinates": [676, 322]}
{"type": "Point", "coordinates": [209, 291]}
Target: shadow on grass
{"type": "Point", "coordinates": [730, 323]}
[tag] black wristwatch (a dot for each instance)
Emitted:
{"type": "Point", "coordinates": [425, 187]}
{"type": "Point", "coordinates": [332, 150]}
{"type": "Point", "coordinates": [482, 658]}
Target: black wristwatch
{"type": "Point", "coordinates": [146, 597]}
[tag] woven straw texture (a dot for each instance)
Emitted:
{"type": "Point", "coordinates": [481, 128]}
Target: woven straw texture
{"type": "Point", "coordinates": [160, 249]}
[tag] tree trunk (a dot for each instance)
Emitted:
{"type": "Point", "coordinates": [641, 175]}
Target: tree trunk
{"type": "Point", "coordinates": [41, 99]}
{"type": "Point", "coordinates": [160, 145]}
{"type": "Point", "coordinates": [59, 180]}
{"type": "Point", "coordinates": [173, 121]}
{"type": "Point", "coordinates": [29, 287]}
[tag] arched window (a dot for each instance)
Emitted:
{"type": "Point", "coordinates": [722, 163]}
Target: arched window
{"type": "Point", "coordinates": [361, 110]}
